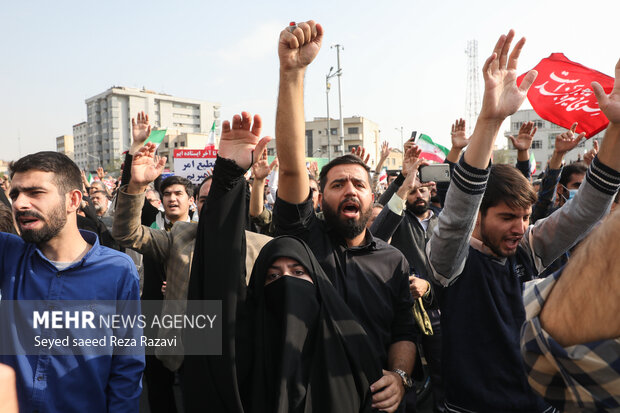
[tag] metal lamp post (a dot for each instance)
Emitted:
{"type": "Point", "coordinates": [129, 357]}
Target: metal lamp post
{"type": "Point", "coordinates": [327, 88]}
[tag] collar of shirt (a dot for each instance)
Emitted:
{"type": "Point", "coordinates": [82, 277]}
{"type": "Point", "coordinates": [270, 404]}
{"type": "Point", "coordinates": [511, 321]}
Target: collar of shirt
{"type": "Point", "coordinates": [370, 242]}
{"type": "Point", "coordinates": [426, 219]}
{"type": "Point", "coordinates": [89, 237]}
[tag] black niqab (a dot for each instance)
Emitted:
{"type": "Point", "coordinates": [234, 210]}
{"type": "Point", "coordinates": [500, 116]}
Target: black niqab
{"type": "Point", "coordinates": [304, 352]}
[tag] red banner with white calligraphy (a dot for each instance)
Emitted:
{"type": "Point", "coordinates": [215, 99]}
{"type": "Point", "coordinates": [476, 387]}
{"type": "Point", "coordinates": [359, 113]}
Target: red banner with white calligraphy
{"type": "Point", "coordinates": [194, 164]}
{"type": "Point", "coordinates": [562, 94]}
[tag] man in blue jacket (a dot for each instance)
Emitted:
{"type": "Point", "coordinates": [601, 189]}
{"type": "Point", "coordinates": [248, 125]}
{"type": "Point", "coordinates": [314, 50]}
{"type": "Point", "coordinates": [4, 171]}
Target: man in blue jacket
{"type": "Point", "coordinates": [54, 260]}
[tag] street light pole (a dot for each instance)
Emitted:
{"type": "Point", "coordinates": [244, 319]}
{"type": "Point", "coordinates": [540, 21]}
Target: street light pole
{"type": "Point", "coordinates": [329, 134]}
{"type": "Point", "coordinates": [329, 131]}
{"type": "Point", "coordinates": [339, 73]}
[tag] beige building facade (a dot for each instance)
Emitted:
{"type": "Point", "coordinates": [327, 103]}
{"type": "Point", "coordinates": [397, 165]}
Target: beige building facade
{"type": "Point", "coordinates": [109, 120]}
{"type": "Point", "coordinates": [176, 140]}
{"type": "Point", "coordinates": [321, 143]}
{"type": "Point", "coordinates": [64, 144]}
{"type": "Point", "coordinates": [544, 140]}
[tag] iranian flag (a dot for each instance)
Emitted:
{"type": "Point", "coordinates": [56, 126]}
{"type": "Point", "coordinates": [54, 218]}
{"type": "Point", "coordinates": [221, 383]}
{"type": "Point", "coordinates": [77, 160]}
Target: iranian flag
{"type": "Point", "coordinates": [431, 151]}
{"type": "Point", "coordinates": [211, 142]}
{"type": "Point", "coordinates": [383, 174]}
{"type": "Point", "coordinates": [532, 163]}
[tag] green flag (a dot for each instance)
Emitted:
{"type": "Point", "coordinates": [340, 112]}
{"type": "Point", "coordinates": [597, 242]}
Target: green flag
{"type": "Point", "coordinates": [156, 136]}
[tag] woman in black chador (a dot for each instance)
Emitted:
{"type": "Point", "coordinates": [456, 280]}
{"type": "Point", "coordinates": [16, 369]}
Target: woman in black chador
{"type": "Point", "coordinates": [290, 343]}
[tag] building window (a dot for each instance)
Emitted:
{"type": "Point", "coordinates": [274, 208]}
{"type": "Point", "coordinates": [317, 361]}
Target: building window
{"type": "Point", "coordinates": [183, 143]}
{"type": "Point", "coordinates": [582, 144]}
{"type": "Point", "coordinates": [539, 123]}
{"type": "Point", "coordinates": [176, 144]}
{"type": "Point", "coordinates": [537, 144]}
{"type": "Point", "coordinates": [353, 131]}
{"type": "Point", "coordinates": [334, 131]}
{"type": "Point", "coordinates": [166, 145]}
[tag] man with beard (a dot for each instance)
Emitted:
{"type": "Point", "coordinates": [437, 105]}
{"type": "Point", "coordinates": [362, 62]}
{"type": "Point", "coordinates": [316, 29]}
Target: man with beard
{"type": "Point", "coordinates": [407, 222]}
{"type": "Point", "coordinates": [370, 275]}
{"type": "Point", "coordinates": [482, 250]}
{"type": "Point", "coordinates": [53, 260]}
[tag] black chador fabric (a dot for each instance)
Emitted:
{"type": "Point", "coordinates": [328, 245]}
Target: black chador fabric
{"type": "Point", "coordinates": [290, 346]}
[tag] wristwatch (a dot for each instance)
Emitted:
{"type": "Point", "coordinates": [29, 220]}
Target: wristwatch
{"type": "Point", "coordinates": [407, 383]}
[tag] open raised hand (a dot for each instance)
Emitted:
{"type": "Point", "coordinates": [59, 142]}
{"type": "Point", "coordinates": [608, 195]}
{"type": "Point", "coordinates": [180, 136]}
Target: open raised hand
{"type": "Point", "coordinates": [297, 49]}
{"type": "Point", "coordinates": [566, 141]}
{"type": "Point", "coordinates": [360, 152]}
{"type": "Point", "coordinates": [458, 134]}
{"type": "Point", "coordinates": [502, 96]}
{"type": "Point", "coordinates": [241, 141]}
{"type": "Point", "coordinates": [589, 156]}
{"type": "Point", "coordinates": [262, 168]}
{"type": "Point", "coordinates": [385, 150]}
{"type": "Point", "coordinates": [609, 104]}
{"type": "Point", "coordinates": [146, 166]}
{"type": "Point", "coordinates": [140, 129]}
{"type": "Point", "coordinates": [523, 141]}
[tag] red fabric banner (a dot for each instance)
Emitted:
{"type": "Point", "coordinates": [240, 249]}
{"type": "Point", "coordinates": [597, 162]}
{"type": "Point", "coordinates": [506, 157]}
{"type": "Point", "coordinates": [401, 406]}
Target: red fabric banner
{"type": "Point", "coordinates": [562, 94]}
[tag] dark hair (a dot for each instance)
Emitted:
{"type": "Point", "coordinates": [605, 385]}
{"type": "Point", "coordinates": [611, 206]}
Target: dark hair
{"type": "Point", "coordinates": [507, 184]}
{"type": "Point", "coordinates": [570, 170]}
{"type": "Point", "coordinates": [6, 219]}
{"type": "Point", "coordinates": [204, 181]}
{"type": "Point", "coordinates": [67, 176]}
{"type": "Point", "coordinates": [348, 159]}
{"type": "Point", "coordinates": [177, 180]}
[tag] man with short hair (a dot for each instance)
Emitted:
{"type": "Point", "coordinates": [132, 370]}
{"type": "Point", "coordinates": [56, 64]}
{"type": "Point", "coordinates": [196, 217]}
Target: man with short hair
{"type": "Point", "coordinates": [53, 260]}
{"type": "Point", "coordinates": [370, 275]}
{"type": "Point", "coordinates": [571, 177]}
{"type": "Point", "coordinates": [100, 202]}
{"type": "Point", "coordinates": [178, 194]}
{"type": "Point", "coordinates": [483, 250]}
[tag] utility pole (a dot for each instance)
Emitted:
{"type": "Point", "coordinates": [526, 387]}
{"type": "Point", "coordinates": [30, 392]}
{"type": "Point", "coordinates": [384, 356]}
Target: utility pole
{"type": "Point", "coordinates": [329, 135]}
{"type": "Point", "coordinates": [327, 88]}
{"type": "Point", "coordinates": [339, 73]}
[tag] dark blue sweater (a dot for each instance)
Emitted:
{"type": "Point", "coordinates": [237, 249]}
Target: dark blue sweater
{"type": "Point", "coordinates": [484, 306]}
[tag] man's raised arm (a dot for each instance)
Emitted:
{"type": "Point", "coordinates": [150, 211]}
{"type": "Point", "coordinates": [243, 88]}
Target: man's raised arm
{"type": "Point", "coordinates": [578, 217]}
{"type": "Point", "coordinates": [297, 49]}
{"type": "Point", "coordinates": [447, 249]}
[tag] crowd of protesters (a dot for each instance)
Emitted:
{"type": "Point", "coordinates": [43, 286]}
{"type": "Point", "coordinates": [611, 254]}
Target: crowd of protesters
{"type": "Point", "coordinates": [332, 281]}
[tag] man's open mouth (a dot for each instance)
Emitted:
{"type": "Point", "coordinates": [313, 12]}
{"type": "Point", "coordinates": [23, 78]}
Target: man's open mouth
{"type": "Point", "coordinates": [350, 209]}
{"type": "Point", "coordinates": [27, 222]}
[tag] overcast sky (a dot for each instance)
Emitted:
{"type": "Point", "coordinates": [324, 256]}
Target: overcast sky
{"type": "Point", "coordinates": [403, 61]}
